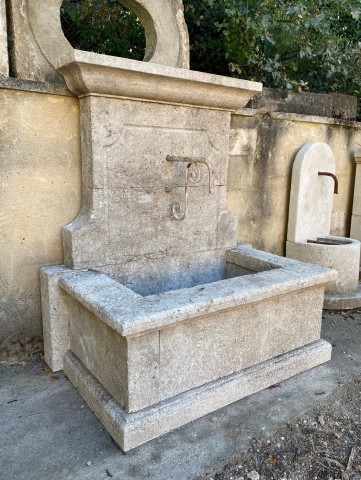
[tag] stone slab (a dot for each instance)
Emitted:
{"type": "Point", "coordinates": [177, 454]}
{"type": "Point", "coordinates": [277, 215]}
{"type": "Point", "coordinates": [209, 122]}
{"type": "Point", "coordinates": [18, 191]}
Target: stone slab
{"type": "Point", "coordinates": [356, 209]}
{"type": "Point", "coordinates": [311, 199]}
{"type": "Point", "coordinates": [128, 182]}
{"type": "Point", "coordinates": [9, 83]}
{"type": "Point", "coordinates": [55, 314]}
{"type": "Point", "coordinates": [343, 302]}
{"type": "Point", "coordinates": [122, 77]}
{"type": "Point", "coordinates": [4, 58]}
{"type": "Point", "coordinates": [27, 60]}
{"type": "Point", "coordinates": [306, 103]}
{"type": "Point", "coordinates": [132, 430]}
{"type": "Point", "coordinates": [355, 231]}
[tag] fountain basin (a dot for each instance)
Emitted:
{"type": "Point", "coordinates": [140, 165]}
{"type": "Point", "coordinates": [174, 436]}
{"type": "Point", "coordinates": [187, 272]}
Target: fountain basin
{"type": "Point", "coordinates": [341, 254]}
{"type": "Point", "coordinates": [216, 342]}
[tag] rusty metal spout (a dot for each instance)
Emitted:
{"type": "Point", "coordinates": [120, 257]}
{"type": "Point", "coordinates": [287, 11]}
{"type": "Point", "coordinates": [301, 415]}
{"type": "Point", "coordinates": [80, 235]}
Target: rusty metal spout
{"type": "Point", "coordinates": [327, 174]}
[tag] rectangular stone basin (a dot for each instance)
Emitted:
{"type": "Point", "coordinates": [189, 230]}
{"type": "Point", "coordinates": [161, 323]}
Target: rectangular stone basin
{"type": "Point", "coordinates": [151, 351]}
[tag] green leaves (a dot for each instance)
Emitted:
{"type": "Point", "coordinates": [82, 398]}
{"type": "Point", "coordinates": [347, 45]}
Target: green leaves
{"type": "Point", "coordinates": [103, 26]}
{"type": "Point", "coordinates": [302, 44]}
{"type": "Point", "coordinates": [308, 44]}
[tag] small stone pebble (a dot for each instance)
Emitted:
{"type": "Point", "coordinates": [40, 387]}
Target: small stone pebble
{"type": "Point", "coordinates": [214, 419]}
{"type": "Point", "coordinates": [253, 475]}
{"type": "Point", "coordinates": [89, 463]}
{"type": "Point", "coordinates": [321, 421]}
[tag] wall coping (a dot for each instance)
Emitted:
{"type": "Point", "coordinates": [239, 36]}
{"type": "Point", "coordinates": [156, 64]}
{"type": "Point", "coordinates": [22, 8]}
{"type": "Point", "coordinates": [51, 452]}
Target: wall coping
{"type": "Point", "coordinates": [296, 117]}
{"type": "Point", "coordinates": [9, 83]}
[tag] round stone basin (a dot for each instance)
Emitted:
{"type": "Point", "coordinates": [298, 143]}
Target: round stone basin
{"type": "Point", "coordinates": [339, 253]}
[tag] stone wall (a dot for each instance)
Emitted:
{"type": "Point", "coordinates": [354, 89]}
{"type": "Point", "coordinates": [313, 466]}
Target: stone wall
{"type": "Point", "coordinates": [263, 148]}
{"type": "Point", "coordinates": [40, 192]}
{"type": "Point", "coordinates": [40, 188]}
{"type": "Point", "coordinates": [4, 62]}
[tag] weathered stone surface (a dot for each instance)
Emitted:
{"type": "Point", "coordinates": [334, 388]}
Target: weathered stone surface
{"type": "Point", "coordinates": [55, 314]}
{"type": "Point", "coordinates": [35, 57]}
{"type": "Point", "coordinates": [163, 20]}
{"type": "Point", "coordinates": [262, 151]}
{"type": "Point", "coordinates": [163, 310]}
{"type": "Point", "coordinates": [356, 209]}
{"type": "Point", "coordinates": [105, 75]}
{"type": "Point", "coordinates": [163, 345]}
{"type": "Point", "coordinates": [40, 192]}
{"type": "Point", "coordinates": [310, 206]}
{"type": "Point", "coordinates": [4, 58]}
{"type": "Point", "coordinates": [165, 29]}
{"type": "Point", "coordinates": [306, 103]}
{"type": "Point", "coordinates": [343, 257]}
{"type": "Point", "coordinates": [134, 429]}
{"type": "Point", "coordinates": [160, 364]}
{"type": "Point", "coordinates": [9, 83]}
{"type": "Point", "coordinates": [27, 60]}
{"type": "Point", "coordinates": [310, 219]}
{"type": "Point", "coordinates": [347, 301]}
{"type": "Point", "coordinates": [126, 227]}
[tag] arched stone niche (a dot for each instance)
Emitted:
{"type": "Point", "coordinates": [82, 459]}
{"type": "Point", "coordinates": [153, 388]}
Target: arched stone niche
{"type": "Point", "coordinates": [163, 21]}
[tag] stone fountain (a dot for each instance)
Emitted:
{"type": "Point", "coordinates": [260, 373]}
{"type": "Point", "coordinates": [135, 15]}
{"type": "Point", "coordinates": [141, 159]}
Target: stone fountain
{"type": "Point", "coordinates": [313, 185]}
{"type": "Point", "coordinates": [158, 317]}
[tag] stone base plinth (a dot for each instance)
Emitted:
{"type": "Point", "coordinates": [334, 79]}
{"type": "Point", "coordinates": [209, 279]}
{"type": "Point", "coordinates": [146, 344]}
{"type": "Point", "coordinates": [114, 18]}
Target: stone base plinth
{"type": "Point", "coordinates": [347, 301]}
{"type": "Point", "coordinates": [132, 429]}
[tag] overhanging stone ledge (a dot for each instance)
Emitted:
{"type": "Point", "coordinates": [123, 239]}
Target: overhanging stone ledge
{"type": "Point", "coordinates": [91, 73]}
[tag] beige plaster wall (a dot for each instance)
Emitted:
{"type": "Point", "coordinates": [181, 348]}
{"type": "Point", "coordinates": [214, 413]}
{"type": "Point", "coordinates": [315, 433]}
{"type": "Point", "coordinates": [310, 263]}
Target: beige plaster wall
{"type": "Point", "coordinates": [263, 148]}
{"type": "Point", "coordinates": [39, 193]}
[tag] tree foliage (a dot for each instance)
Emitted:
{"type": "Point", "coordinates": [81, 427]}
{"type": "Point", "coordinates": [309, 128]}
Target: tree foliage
{"type": "Point", "coordinates": [103, 26]}
{"type": "Point", "coordinates": [302, 44]}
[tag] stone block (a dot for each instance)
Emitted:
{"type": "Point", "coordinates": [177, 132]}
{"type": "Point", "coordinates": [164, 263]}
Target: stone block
{"type": "Point", "coordinates": [27, 60]}
{"type": "Point", "coordinates": [306, 103]}
{"type": "Point", "coordinates": [356, 209]}
{"type": "Point", "coordinates": [311, 199]}
{"type": "Point", "coordinates": [162, 20]}
{"type": "Point", "coordinates": [54, 306]}
{"type": "Point", "coordinates": [140, 194]}
{"type": "Point", "coordinates": [4, 59]}
{"type": "Point", "coordinates": [130, 430]}
{"type": "Point", "coordinates": [356, 227]}
{"type": "Point", "coordinates": [160, 364]}
{"type": "Point", "coordinates": [166, 344]}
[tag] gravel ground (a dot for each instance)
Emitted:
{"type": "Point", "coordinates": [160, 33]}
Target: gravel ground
{"type": "Point", "coordinates": [324, 443]}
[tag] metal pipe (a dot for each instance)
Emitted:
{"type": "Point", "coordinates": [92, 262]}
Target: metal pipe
{"type": "Point", "coordinates": [196, 160]}
{"type": "Point", "coordinates": [327, 174]}
{"type": "Point", "coordinates": [176, 208]}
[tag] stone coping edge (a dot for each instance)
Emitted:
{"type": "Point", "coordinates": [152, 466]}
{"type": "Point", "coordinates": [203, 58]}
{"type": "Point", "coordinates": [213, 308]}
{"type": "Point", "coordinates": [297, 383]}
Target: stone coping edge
{"type": "Point", "coordinates": [9, 83]}
{"type": "Point", "coordinates": [148, 68]}
{"type": "Point", "coordinates": [296, 117]}
{"type": "Point", "coordinates": [130, 314]}
{"type": "Point", "coordinates": [130, 430]}
{"type": "Point", "coordinates": [88, 73]}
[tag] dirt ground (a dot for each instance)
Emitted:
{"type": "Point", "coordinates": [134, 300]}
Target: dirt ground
{"type": "Point", "coordinates": [324, 443]}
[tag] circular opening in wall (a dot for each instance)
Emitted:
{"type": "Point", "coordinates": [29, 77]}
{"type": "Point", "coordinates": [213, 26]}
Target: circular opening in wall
{"type": "Point", "coordinates": [103, 26]}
